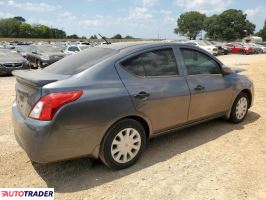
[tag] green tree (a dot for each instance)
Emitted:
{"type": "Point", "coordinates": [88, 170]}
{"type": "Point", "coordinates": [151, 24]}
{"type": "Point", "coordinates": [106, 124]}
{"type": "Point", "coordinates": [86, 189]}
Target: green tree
{"type": "Point", "coordinates": [41, 31]}
{"type": "Point", "coordinates": [93, 37]}
{"type": "Point", "coordinates": [25, 30]}
{"type": "Point", "coordinates": [117, 36]}
{"type": "Point", "coordinates": [230, 25]}
{"type": "Point", "coordinates": [129, 37]}
{"type": "Point", "coordinates": [190, 24]}
{"type": "Point", "coordinates": [74, 36]}
{"type": "Point", "coordinates": [17, 27]}
{"type": "Point", "coordinates": [262, 32]}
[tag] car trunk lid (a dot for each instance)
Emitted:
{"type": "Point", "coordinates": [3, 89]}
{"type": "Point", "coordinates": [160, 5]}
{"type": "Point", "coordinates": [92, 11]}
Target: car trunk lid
{"type": "Point", "coordinates": [29, 87]}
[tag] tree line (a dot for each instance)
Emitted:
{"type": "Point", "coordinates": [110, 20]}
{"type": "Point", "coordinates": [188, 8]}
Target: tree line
{"type": "Point", "coordinates": [17, 27]}
{"type": "Point", "coordinates": [229, 25]}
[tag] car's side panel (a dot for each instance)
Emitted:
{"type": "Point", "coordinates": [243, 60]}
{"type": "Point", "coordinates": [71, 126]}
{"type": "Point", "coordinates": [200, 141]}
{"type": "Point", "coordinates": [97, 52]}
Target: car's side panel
{"type": "Point", "coordinates": [215, 98]}
{"type": "Point", "coordinates": [215, 95]}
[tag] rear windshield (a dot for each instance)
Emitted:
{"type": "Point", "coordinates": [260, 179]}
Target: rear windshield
{"type": "Point", "coordinates": [81, 61]}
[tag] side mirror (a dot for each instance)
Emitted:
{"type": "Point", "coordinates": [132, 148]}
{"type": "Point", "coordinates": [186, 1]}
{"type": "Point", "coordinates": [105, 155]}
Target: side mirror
{"type": "Point", "coordinates": [226, 71]}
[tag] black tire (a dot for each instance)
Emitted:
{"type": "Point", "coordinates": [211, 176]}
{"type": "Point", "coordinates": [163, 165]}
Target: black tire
{"type": "Point", "coordinates": [233, 116]}
{"type": "Point", "coordinates": [105, 150]}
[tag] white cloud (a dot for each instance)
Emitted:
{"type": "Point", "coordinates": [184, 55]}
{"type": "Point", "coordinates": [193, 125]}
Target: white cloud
{"type": "Point", "coordinates": [167, 15]}
{"type": "Point", "coordinates": [38, 7]}
{"type": "Point", "coordinates": [5, 15]}
{"type": "Point", "coordinates": [252, 13]}
{"type": "Point", "coordinates": [69, 16]}
{"type": "Point", "coordinates": [150, 3]}
{"type": "Point", "coordinates": [91, 22]}
{"type": "Point", "coordinates": [209, 6]}
{"type": "Point", "coordinates": [140, 13]}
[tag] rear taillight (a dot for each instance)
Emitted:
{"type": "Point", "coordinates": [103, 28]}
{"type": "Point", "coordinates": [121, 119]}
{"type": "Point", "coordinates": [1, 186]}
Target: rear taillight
{"type": "Point", "coordinates": [47, 106]}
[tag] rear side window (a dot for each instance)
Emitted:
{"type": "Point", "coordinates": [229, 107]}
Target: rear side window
{"type": "Point", "coordinates": [81, 61]}
{"type": "Point", "coordinates": [199, 63]}
{"type": "Point", "coordinates": [152, 64]}
{"type": "Point", "coordinates": [135, 66]}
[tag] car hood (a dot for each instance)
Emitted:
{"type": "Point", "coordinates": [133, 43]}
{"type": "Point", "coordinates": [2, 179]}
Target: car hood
{"type": "Point", "coordinates": [12, 60]}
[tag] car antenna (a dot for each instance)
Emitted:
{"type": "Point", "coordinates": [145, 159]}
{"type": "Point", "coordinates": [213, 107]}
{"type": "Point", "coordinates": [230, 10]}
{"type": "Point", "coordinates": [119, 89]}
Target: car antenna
{"type": "Point", "coordinates": [104, 38]}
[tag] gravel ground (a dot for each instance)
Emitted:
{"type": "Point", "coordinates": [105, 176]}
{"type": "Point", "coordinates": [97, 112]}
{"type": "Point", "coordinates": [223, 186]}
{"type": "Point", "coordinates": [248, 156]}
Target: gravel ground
{"type": "Point", "coordinates": [214, 160]}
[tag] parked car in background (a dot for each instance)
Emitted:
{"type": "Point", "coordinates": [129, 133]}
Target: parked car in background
{"type": "Point", "coordinates": [239, 48]}
{"type": "Point", "coordinates": [259, 48]}
{"type": "Point", "coordinates": [204, 44]}
{"type": "Point", "coordinates": [23, 50]}
{"type": "Point", "coordinates": [222, 49]}
{"type": "Point", "coordinates": [75, 49]}
{"type": "Point", "coordinates": [44, 55]}
{"type": "Point", "coordinates": [261, 43]}
{"type": "Point", "coordinates": [105, 102]}
{"type": "Point", "coordinates": [10, 60]}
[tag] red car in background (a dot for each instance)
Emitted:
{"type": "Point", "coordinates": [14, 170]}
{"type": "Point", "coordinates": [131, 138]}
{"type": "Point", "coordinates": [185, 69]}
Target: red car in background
{"type": "Point", "coordinates": [240, 48]}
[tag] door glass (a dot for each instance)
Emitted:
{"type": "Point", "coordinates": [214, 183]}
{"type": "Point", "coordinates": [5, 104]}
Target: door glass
{"type": "Point", "coordinates": [199, 63]}
{"type": "Point", "coordinates": [134, 66]}
{"type": "Point", "coordinates": [160, 63]}
{"type": "Point", "coordinates": [153, 63]}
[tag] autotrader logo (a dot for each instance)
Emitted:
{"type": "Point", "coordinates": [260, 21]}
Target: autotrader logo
{"type": "Point", "coordinates": [27, 193]}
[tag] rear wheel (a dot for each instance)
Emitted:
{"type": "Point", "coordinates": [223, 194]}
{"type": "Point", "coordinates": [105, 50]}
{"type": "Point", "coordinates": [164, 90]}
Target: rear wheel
{"type": "Point", "coordinates": [240, 108]}
{"type": "Point", "coordinates": [123, 144]}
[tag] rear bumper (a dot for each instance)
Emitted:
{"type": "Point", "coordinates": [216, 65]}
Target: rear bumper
{"type": "Point", "coordinates": [45, 141]}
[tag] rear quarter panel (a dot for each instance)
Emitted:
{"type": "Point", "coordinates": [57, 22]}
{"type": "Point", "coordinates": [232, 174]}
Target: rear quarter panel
{"type": "Point", "coordinates": [84, 122]}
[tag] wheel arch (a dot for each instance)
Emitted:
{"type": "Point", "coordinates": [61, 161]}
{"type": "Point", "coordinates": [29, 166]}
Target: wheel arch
{"type": "Point", "coordinates": [246, 91]}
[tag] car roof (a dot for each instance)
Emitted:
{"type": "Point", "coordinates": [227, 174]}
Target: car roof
{"type": "Point", "coordinates": [137, 45]}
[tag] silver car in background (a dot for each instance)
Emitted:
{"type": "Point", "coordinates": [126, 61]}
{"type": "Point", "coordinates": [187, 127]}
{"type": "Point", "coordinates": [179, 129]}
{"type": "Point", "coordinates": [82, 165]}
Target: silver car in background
{"type": "Point", "coordinates": [106, 102]}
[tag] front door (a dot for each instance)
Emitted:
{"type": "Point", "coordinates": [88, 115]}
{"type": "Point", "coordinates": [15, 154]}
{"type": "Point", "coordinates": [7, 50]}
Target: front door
{"type": "Point", "coordinates": [210, 92]}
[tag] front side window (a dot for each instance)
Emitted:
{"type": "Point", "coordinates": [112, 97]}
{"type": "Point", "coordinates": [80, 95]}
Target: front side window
{"type": "Point", "coordinates": [199, 63]}
{"type": "Point", "coordinates": [152, 64]}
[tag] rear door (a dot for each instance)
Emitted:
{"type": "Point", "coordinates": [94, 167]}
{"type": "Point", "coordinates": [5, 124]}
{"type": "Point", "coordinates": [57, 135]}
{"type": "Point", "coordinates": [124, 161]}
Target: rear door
{"type": "Point", "coordinates": [157, 87]}
{"type": "Point", "coordinates": [211, 92]}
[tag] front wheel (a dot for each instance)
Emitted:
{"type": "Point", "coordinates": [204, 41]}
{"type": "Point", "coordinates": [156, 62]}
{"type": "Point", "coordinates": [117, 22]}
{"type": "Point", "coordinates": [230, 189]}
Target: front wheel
{"type": "Point", "coordinates": [123, 144]}
{"type": "Point", "coordinates": [240, 108]}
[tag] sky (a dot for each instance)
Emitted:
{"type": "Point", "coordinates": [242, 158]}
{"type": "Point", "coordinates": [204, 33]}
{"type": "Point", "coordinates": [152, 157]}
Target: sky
{"type": "Point", "coordinates": [138, 18]}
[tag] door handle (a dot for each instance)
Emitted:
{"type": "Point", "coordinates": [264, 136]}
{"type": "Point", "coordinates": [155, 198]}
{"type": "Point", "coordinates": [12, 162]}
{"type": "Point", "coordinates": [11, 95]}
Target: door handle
{"type": "Point", "coordinates": [142, 95]}
{"type": "Point", "coordinates": [199, 88]}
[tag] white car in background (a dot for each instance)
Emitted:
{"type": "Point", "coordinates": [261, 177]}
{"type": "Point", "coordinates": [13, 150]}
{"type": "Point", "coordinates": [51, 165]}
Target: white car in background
{"type": "Point", "coordinates": [263, 48]}
{"type": "Point", "coordinates": [75, 49]}
{"type": "Point", "coordinates": [206, 45]}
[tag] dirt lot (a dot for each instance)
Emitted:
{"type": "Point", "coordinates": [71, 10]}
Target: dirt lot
{"type": "Point", "coordinates": [215, 160]}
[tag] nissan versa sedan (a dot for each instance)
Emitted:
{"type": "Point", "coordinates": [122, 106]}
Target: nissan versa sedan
{"type": "Point", "coordinates": [41, 56]}
{"type": "Point", "coordinates": [10, 60]}
{"type": "Point", "coordinates": [106, 102]}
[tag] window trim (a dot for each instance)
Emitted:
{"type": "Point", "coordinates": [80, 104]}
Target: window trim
{"type": "Point", "coordinates": [185, 68]}
{"type": "Point", "coordinates": [136, 54]}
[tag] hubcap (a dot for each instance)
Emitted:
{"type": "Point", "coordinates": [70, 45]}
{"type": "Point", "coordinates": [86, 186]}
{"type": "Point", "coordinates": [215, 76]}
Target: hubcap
{"type": "Point", "coordinates": [126, 145]}
{"type": "Point", "coordinates": [241, 108]}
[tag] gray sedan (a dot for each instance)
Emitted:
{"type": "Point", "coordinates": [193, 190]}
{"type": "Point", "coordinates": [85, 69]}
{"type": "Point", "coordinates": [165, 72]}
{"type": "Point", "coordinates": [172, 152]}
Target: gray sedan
{"type": "Point", "coordinates": [106, 102]}
{"type": "Point", "coordinates": [10, 60]}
